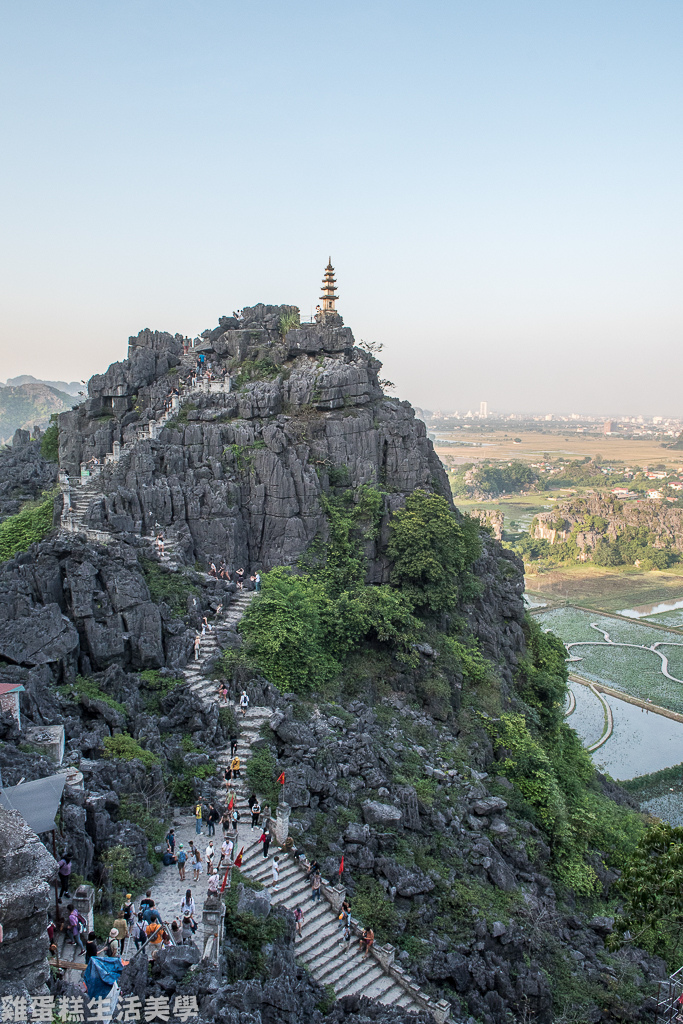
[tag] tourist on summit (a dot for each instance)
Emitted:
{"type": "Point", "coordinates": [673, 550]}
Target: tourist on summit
{"type": "Point", "coordinates": [255, 814]}
{"type": "Point", "coordinates": [276, 873]}
{"type": "Point", "coordinates": [252, 800]}
{"type": "Point", "coordinates": [225, 822]}
{"type": "Point", "coordinates": [197, 865]}
{"type": "Point", "coordinates": [312, 868]}
{"type": "Point", "coordinates": [154, 937]}
{"type": "Point", "coordinates": [212, 569]}
{"type": "Point", "coordinates": [213, 818]}
{"type": "Point", "coordinates": [244, 702]}
{"type": "Point", "coordinates": [239, 576]}
{"type": "Point", "coordinates": [315, 886]}
{"type": "Point", "coordinates": [170, 840]}
{"type": "Point", "coordinates": [226, 851]}
{"type": "Point", "coordinates": [235, 817]}
{"type": "Point", "coordinates": [176, 932]}
{"type": "Point", "coordinates": [233, 745]}
{"type": "Point", "coordinates": [345, 914]}
{"type": "Point", "coordinates": [300, 921]}
{"type": "Point", "coordinates": [257, 582]}
{"type": "Point", "coordinates": [265, 839]}
{"type": "Point", "coordinates": [152, 914]}
{"type": "Point", "coordinates": [212, 888]}
{"type": "Point", "coordinates": [182, 858]}
{"type": "Point", "coordinates": [197, 645]}
{"type": "Point", "coordinates": [235, 767]}
{"type": "Point", "coordinates": [198, 818]}
{"type": "Point", "coordinates": [127, 911]}
{"type": "Point", "coordinates": [209, 854]}
{"type": "Point", "coordinates": [64, 871]}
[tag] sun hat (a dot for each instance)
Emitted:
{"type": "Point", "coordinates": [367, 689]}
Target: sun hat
{"type": "Point", "coordinates": [129, 895]}
{"type": "Point", "coordinates": [188, 913]}
{"type": "Point", "coordinates": [113, 934]}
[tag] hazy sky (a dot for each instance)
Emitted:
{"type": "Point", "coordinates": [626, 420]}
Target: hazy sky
{"type": "Point", "coordinates": [498, 183]}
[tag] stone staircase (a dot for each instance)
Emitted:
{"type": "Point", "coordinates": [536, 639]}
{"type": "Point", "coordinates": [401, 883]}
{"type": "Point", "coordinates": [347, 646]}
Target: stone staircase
{"type": "Point", "coordinates": [321, 948]}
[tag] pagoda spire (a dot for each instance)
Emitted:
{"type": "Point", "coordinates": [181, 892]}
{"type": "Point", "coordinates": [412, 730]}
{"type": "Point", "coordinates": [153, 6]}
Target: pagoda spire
{"type": "Point", "coordinates": [329, 295]}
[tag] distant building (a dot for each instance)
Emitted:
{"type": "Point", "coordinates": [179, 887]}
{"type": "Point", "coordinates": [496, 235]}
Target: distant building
{"type": "Point", "coordinates": [483, 410]}
{"type": "Point", "coordinates": [657, 495]}
{"type": "Point", "coordinates": [9, 699]}
{"type": "Point", "coordinates": [609, 427]}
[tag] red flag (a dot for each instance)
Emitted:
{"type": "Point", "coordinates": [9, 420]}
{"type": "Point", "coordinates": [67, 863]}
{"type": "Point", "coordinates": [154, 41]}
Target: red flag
{"type": "Point", "coordinates": [238, 859]}
{"type": "Point", "coordinates": [225, 878]}
{"type": "Point", "coordinates": [341, 866]}
{"type": "Point", "coordinates": [281, 780]}
{"type": "Point", "coordinates": [232, 800]}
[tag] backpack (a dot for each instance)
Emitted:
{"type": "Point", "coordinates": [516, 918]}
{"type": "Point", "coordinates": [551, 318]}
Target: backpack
{"type": "Point", "coordinates": [182, 857]}
{"type": "Point", "coordinates": [82, 925]}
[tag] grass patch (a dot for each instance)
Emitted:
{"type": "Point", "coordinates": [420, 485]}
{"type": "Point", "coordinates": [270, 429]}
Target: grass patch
{"type": "Point", "coordinates": [125, 748]}
{"type": "Point", "coordinates": [30, 525]}
{"type": "Point", "coordinates": [156, 687]}
{"type": "Point", "coordinates": [173, 588]}
{"type": "Point", "coordinates": [82, 687]}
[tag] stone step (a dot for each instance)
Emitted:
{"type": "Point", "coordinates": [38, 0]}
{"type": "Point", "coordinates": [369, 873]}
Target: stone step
{"type": "Point", "coordinates": [357, 980]}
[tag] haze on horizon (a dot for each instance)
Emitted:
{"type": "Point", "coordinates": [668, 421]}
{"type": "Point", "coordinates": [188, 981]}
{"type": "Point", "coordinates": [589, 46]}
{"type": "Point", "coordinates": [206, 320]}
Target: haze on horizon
{"type": "Point", "coordinates": [498, 186]}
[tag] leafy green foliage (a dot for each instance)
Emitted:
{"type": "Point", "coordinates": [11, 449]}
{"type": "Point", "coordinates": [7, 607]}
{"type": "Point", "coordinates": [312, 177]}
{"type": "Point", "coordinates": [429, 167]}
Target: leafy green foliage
{"type": "Point", "coordinates": [542, 680]}
{"type": "Point", "coordinates": [49, 442]}
{"type": "Point", "coordinates": [493, 478]}
{"type": "Point", "coordinates": [373, 908]}
{"type": "Point", "coordinates": [155, 687]}
{"type": "Point", "coordinates": [243, 454]}
{"type": "Point", "coordinates": [125, 748]}
{"type": "Point", "coordinates": [117, 865]}
{"type": "Point", "coordinates": [132, 810]}
{"type": "Point", "coordinates": [652, 886]}
{"type": "Point", "coordinates": [288, 322]}
{"type": "Point", "coordinates": [432, 552]}
{"type": "Point", "coordinates": [174, 588]}
{"type": "Point", "coordinates": [27, 527]}
{"type": "Point", "coordinates": [255, 369]}
{"type": "Point", "coordinates": [82, 687]}
{"type": "Point", "coordinates": [262, 773]}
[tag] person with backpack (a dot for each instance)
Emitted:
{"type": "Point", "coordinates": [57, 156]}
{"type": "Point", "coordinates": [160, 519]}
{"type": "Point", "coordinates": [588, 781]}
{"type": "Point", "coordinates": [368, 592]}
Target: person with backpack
{"type": "Point", "coordinates": [91, 949]}
{"type": "Point", "coordinates": [136, 930]}
{"type": "Point", "coordinates": [235, 820]}
{"type": "Point", "coordinates": [300, 921]}
{"type": "Point", "coordinates": [122, 930]}
{"type": "Point", "coordinates": [235, 767]}
{"type": "Point", "coordinates": [112, 947]}
{"type": "Point", "coordinates": [265, 839]}
{"type": "Point", "coordinates": [244, 702]}
{"type": "Point", "coordinates": [77, 927]}
{"type": "Point", "coordinates": [182, 858]}
{"type": "Point", "coordinates": [198, 818]}
{"type": "Point", "coordinates": [127, 911]}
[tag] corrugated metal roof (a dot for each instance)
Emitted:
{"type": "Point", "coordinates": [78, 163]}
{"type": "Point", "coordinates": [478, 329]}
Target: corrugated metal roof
{"type": "Point", "coordinates": [11, 687]}
{"type": "Point", "coordinates": [36, 801]}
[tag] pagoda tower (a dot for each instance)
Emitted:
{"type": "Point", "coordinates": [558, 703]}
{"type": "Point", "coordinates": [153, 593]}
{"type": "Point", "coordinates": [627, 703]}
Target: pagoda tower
{"type": "Point", "coordinates": [329, 295]}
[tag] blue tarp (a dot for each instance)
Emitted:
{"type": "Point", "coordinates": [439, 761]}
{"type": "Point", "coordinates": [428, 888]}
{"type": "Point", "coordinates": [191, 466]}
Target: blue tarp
{"type": "Point", "coordinates": [101, 973]}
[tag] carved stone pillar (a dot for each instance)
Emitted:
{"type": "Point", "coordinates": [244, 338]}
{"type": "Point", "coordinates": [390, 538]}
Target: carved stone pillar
{"type": "Point", "coordinates": [282, 822]}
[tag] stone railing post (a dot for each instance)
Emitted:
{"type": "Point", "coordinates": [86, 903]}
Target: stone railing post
{"type": "Point", "coordinates": [84, 901]}
{"type": "Point", "coordinates": [336, 895]}
{"type": "Point", "coordinates": [175, 403]}
{"type": "Point", "coordinates": [116, 450]}
{"type": "Point", "coordinates": [213, 913]}
{"type": "Point", "coordinates": [84, 473]}
{"type": "Point", "coordinates": [441, 1011]}
{"type": "Point", "coordinates": [282, 822]}
{"type": "Point", "coordinates": [385, 954]}
{"type": "Point", "coordinates": [153, 429]}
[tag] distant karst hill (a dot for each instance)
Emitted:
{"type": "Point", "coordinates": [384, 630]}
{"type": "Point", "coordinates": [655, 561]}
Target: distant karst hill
{"type": "Point", "coordinates": [28, 405]}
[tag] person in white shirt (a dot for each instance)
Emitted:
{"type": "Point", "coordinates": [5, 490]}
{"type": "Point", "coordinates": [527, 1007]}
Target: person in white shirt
{"type": "Point", "coordinates": [209, 854]}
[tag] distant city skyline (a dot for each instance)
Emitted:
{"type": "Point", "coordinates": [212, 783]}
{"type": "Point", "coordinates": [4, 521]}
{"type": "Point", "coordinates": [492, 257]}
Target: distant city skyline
{"type": "Point", "coordinates": [498, 187]}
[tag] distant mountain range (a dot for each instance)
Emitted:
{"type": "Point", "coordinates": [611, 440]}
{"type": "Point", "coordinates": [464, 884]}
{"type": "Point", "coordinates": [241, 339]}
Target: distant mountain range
{"type": "Point", "coordinates": [27, 403]}
{"type": "Point", "coordinates": [59, 385]}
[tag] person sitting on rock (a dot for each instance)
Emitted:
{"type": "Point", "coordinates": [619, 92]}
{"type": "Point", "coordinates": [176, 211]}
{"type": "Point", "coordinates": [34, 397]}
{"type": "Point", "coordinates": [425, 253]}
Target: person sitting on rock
{"type": "Point", "coordinates": [187, 930]}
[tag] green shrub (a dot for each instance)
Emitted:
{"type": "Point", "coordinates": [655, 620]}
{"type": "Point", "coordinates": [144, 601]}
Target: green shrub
{"type": "Point", "coordinates": [432, 552]}
{"type": "Point", "coordinates": [255, 369]}
{"type": "Point", "coordinates": [82, 687]}
{"type": "Point", "coordinates": [49, 442]}
{"type": "Point", "coordinates": [156, 687]}
{"type": "Point", "coordinates": [125, 748]}
{"type": "Point", "coordinates": [132, 810]}
{"type": "Point", "coordinates": [173, 588]}
{"type": "Point", "coordinates": [117, 864]}
{"type": "Point", "coordinates": [373, 908]}
{"type": "Point", "coordinates": [229, 721]}
{"type": "Point", "coordinates": [262, 773]}
{"type": "Point", "coordinates": [30, 525]}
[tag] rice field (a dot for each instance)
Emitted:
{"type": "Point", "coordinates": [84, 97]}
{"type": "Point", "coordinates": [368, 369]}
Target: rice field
{"type": "Point", "coordinates": [634, 670]}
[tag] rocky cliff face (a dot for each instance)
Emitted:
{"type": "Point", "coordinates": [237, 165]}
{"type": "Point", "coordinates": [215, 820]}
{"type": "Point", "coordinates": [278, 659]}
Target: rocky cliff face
{"type": "Point", "coordinates": [24, 473]}
{"type": "Point", "coordinates": [25, 870]}
{"type": "Point", "coordinates": [664, 523]}
{"type": "Point", "coordinates": [239, 476]}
